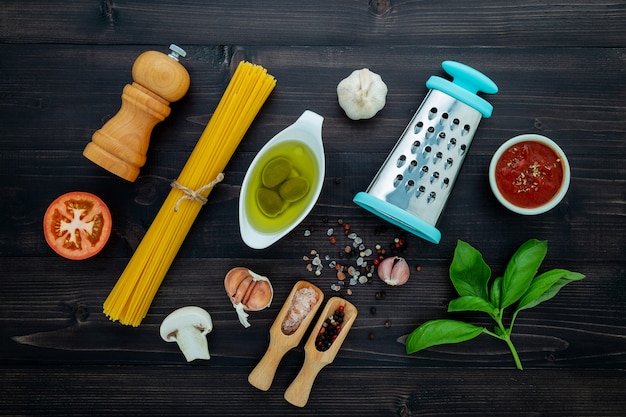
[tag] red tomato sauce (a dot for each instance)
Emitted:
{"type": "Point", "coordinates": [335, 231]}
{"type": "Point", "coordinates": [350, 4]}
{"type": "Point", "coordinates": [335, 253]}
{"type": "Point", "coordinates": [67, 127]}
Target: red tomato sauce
{"type": "Point", "coordinates": [529, 174]}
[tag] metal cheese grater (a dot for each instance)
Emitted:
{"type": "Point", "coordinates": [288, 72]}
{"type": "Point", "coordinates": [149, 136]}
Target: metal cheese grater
{"type": "Point", "coordinates": [411, 188]}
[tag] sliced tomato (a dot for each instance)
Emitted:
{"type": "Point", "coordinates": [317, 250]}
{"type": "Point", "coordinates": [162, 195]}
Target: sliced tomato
{"type": "Point", "coordinates": [77, 225]}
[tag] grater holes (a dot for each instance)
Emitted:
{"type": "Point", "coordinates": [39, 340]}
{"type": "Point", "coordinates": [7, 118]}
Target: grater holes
{"type": "Point", "coordinates": [429, 132]}
{"type": "Point", "coordinates": [462, 149]}
{"type": "Point", "coordinates": [448, 163]}
{"type": "Point", "coordinates": [432, 113]}
{"type": "Point", "coordinates": [452, 143]}
{"type": "Point", "coordinates": [434, 177]}
{"type": "Point", "coordinates": [431, 197]}
{"type": "Point", "coordinates": [401, 160]}
{"type": "Point", "coordinates": [437, 157]}
{"type": "Point", "coordinates": [418, 127]}
{"type": "Point", "coordinates": [466, 130]}
{"type": "Point", "coordinates": [444, 118]}
{"type": "Point", "coordinates": [423, 171]}
{"type": "Point", "coordinates": [426, 152]}
{"type": "Point", "coordinates": [420, 190]}
{"type": "Point", "coordinates": [416, 145]}
{"type": "Point", "coordinates": [410, 184]}
{"type": "Point", "coordinates": [412, 166]}
{"type": "Point", "coordinates": [442, 136]}
{"type": "Point", "coordinates": [445, 183]}
{"type": "Point", "coordinates": [398, 180]}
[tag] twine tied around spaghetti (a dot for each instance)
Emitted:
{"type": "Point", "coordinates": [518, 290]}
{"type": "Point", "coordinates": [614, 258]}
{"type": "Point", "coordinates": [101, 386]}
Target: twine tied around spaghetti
{"type": "Point", "coordinates": [195, 195]}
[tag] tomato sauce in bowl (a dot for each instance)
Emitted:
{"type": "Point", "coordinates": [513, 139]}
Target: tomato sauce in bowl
{"type": "Point", "coordinates": [529, 174]}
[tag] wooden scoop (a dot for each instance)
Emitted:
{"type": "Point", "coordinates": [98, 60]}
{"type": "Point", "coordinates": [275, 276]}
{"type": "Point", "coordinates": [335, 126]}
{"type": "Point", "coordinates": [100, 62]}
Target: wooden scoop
{"type": "Point", "coordinates": [314, 360]}
{"type": "Point", "coordinates": [262, 375]}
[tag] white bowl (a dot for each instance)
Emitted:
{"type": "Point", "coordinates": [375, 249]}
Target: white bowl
{"type": "Point", "coordinates": [301, 143]}
{"type": "Point", "coordinates": [556, 199]}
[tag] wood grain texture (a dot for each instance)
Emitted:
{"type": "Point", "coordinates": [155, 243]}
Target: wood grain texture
{"type": "Point", "coordinates": [323, 23]}
{"type": "Point", "coordinates": [560, 70]}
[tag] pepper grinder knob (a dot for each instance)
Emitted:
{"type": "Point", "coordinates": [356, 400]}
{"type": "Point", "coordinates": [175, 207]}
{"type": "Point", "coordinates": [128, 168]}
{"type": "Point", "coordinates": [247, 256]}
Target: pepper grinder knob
{"type": "Point", "coordinates": [120, 146]}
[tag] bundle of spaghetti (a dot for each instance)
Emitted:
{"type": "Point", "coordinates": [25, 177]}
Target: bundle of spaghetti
{"type": "Point", "coordinates": [136, 288]}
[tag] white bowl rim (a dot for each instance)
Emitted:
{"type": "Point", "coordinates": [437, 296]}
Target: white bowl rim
{"type": "Point", "coordinates": [530, 137]}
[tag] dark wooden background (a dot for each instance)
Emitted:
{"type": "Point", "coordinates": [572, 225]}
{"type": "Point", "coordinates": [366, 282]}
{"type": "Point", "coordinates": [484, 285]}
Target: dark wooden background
{"type": "Point", "coordinates": [560, 67]}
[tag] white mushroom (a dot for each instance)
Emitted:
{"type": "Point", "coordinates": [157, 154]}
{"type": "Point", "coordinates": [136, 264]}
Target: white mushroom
{"type": "Point", "coordinates": [188, 326]}
{"type": "Point", "coordinates": [362, 94]}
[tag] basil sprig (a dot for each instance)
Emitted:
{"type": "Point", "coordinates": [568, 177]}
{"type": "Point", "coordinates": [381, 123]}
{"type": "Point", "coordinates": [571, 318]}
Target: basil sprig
{"type": "Point", "coordinates": [520, 286]}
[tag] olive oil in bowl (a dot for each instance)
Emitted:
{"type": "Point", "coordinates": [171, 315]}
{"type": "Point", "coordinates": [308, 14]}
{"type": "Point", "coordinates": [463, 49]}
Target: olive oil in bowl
{"type": "Point", "coordinates": [285, 199]}
{"type": "Point", "coordinates": [303, 165]}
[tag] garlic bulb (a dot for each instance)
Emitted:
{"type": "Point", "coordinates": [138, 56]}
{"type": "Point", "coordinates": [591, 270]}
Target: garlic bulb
{"type": "Point", "coordinates": [362, 94]}
{"type": "Point", "coordinates": [247, 291]}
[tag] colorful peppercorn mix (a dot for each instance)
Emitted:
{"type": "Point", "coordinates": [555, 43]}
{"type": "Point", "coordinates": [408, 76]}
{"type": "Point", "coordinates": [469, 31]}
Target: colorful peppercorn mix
{"type": "Point", "coordinates": [330, 330]}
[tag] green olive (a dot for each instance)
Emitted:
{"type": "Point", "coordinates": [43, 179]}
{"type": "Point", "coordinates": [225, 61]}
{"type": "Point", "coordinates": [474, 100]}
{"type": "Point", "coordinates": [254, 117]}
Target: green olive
{"type": "Point", "coordinates": [276, 171]}
{"type": "Point", "coordinates": [269, 202]}
{"type": "Point", "coordinates": [293, 189]}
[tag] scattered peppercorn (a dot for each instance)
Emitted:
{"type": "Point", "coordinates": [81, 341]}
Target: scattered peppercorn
{"type": "Point", "coordinates": [364, 259]}
{"type": "Point", "coordinates": [388, 324]}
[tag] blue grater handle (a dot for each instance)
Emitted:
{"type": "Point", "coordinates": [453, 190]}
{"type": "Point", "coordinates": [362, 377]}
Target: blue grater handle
{"type": "Point", "coordinates": [466, 84]}
{"type": "Point", "coordinates": [398, 217]}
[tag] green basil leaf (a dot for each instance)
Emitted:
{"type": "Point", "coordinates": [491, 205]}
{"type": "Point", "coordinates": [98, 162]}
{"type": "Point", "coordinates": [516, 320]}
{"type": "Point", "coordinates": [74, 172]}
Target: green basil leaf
{"type": "Point", "coordinates": [521, 269]}
{"type": "Point", "coordinates": [440, 332]}
{"type": "Point", "coordinates": [546, 286]}
{"type": "Point", "coordinates": [495, 294]}
{"type": "Point", "coordinates": [471, 303]}
{"type": "Point", "coordinates": [468, 272]}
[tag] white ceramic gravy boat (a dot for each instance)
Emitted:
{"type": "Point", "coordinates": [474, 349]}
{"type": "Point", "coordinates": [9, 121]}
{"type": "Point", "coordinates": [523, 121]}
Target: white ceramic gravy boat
{"type": "Point", "coordinates": [301, 143]}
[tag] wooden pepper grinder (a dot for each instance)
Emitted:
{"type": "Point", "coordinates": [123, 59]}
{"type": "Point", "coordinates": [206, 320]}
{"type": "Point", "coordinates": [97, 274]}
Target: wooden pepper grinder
{"type": "Point", "coordinates": [120, 146]}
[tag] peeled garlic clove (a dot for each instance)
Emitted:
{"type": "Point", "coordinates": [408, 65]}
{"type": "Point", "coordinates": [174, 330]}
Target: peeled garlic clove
{"type": "Point", "coordinates": [362, 94]}
{"type": "Point", "coordinates": [247, 291]}
{"type": "Point", "coordinates": [394, 271]}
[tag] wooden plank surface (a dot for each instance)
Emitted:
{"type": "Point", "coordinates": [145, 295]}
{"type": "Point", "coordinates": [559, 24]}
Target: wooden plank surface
{"type": "Point", "coordinates": [560, 68]}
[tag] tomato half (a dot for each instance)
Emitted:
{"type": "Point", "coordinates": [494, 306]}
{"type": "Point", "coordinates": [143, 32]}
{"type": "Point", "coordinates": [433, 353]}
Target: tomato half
{"type": "Point", "coordinates": [77, 225]}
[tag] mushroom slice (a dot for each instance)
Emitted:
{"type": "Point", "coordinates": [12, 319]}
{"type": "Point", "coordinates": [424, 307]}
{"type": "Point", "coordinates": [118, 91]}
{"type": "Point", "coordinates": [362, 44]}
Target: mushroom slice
{"type": "Point", "coordinates": [188, 326]}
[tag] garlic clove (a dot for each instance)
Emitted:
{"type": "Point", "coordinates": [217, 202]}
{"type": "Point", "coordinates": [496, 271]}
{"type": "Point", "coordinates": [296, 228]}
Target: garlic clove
{"type": "Point", "coordinates": [247, 291]}
{"type": "Point", "coordinates": [362, 94]}
{"type": "Point", "coordinates": [394, 271]}
{"type": "Point", "coordinates": [260, 297]}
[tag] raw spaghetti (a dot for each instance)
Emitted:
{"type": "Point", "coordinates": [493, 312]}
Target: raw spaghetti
{"type": "Point", "coordinates": [134, 291]}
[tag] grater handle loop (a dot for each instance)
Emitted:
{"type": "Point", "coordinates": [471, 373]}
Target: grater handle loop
{"type": "Point", "coordinates": [468, 78]}
{"type": "Point", "coordinates": [466, 84]}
